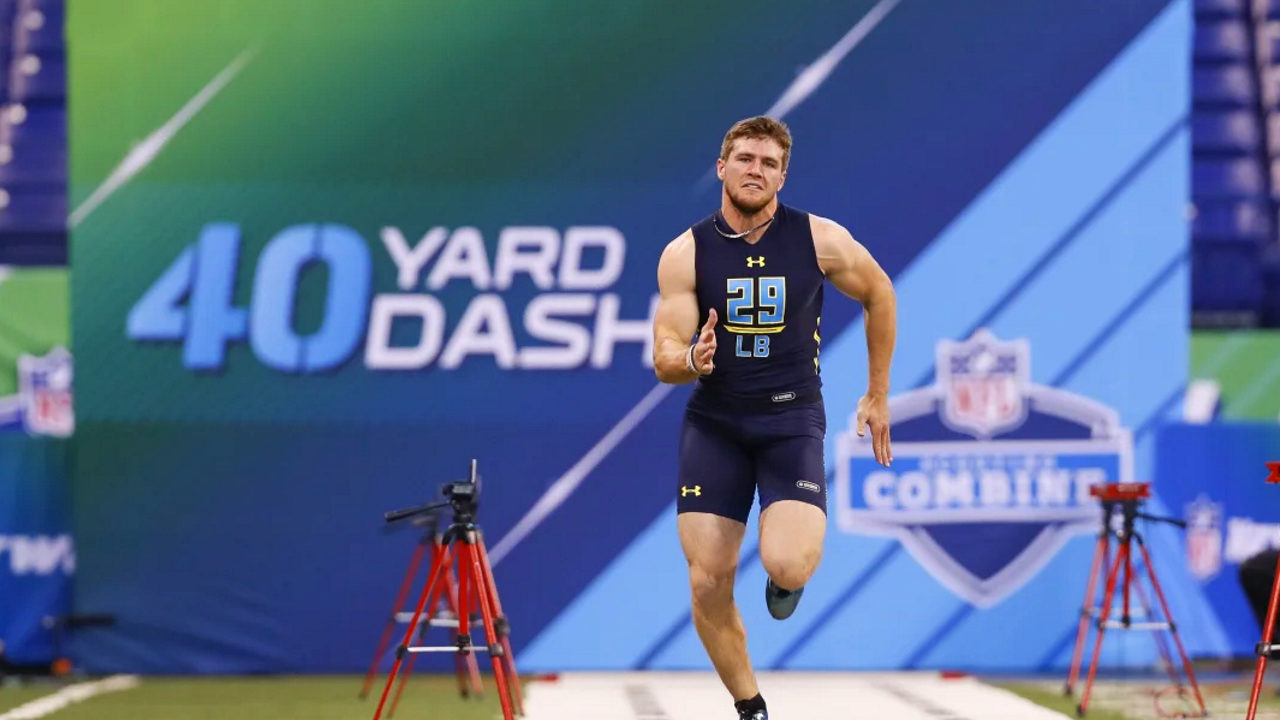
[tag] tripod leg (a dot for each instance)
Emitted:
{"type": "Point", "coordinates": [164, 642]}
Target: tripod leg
{"type": "Point", "coordinates": [1268, 631]}
{"type": "Point", "coordinates": [437, 572]}
{"type": "Point", "coordinates": [395, 699]}
{"type": "Point", "coordinates": [517, 693]}
{"type": "Point", "coordinates": [1128, 583]}
{"type": "Point", "coordinates": [1086, 608]}
{"type": "Point", "coordinates": [466, 666]}
{"type": "Point", "coordinates": [404, 676]}
{"type": "Point", "coordinates": [451, 602]}
{"type": "Point", "coordinates": [433, 605]}
{"type": "Point", "coordinates": [391, 620]}
{"type": "Point", "coordinates": [1107, 597]}
{"type": "Point", "coordinates": [1177, 639]}
{"type": "Point", "coordinates": [471, 558]}
{"type": "Point", "coordinates": [1162, 643]}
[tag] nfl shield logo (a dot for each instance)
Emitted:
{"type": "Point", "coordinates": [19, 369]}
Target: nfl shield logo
{"type": "Point", "coordinates": [991, 472]}
{"type": "Point", "coordinates": [1204, 538]}
{"type": "Point", "coordinates": [986, 381]}
{"type": "Point", "coordinates": [44, 385]}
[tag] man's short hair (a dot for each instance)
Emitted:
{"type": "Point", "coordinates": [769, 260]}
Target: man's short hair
{"type": "Point", "coordinates": [759, 127]}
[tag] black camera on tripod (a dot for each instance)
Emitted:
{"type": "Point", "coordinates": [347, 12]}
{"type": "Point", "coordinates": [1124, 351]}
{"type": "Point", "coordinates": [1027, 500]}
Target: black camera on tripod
{"type": "Point", "coordinates": [462, 495]}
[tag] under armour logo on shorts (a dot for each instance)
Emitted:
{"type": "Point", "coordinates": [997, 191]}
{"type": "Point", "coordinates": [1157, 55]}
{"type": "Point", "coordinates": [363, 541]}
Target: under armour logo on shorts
{"type": "Point", "coordinates": [757, 261]}
{"type": "Point", "coordinates": [695, 490]}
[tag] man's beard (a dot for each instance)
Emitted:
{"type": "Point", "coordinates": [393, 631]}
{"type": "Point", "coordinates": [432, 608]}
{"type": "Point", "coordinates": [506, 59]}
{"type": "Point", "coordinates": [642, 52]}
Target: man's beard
{"type": "Point", "coordinates": [748, 208]}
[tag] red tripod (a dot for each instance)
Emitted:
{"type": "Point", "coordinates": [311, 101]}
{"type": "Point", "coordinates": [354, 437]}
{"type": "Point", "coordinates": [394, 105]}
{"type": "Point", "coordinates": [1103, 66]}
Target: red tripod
{"type": "Point", "coordinates": [461, 547]}
{"type": "Point", "coordinates": [1265, 647]}
{"type": "Point", "coordinates": [1125, 497]}
{"type": "Point", "coordinates": [468, 670]}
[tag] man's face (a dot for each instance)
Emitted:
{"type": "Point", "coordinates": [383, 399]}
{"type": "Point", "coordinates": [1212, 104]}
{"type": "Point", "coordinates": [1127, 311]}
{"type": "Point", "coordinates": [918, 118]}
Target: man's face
{"type": "Point", "coordinates": [753, 173]}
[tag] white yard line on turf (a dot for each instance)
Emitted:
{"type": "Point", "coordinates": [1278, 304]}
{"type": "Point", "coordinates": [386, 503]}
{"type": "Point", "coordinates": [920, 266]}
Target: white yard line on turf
{"type": "Point", "coordinates": [79, 692]}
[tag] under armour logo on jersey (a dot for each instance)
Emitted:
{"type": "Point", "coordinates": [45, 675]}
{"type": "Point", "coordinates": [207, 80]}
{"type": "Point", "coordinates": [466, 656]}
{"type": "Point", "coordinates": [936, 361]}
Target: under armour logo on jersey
{"type": "Point", "coordinates": [696, 490]}
{"type": "Point", "coordinates": [757, 261]}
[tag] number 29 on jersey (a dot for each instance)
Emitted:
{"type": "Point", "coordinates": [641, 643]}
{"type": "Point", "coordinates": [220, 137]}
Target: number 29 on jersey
{"type": "Point", "coordinates": [756, 310]}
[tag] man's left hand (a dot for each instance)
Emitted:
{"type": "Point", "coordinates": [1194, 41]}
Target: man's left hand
{"type": "Point", "coordinates": [873, 410]}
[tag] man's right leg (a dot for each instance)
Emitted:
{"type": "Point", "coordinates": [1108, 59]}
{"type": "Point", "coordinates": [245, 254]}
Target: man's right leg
{"type": "Point", "coordinates": [716, 489]}
{"type": "Point", "coordinates": [711, 544]}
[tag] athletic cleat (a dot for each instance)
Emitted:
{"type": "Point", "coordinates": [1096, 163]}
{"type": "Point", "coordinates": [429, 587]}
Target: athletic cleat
{"type": "Point", "coordinates": [781, 603]}
{"type": "Point", "coordinates": [752, 708]}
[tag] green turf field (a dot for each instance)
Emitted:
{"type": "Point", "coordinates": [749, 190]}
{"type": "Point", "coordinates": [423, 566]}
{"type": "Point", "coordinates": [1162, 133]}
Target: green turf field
{"type": "Point", "coordinates": [1134, 700]}
{"type": "Point", "coordinates": [1055, 700]}
{"type": "Point", "coordinates": [435, 697]}
{"type": "Point", "coordinates": [33, 318]}
{"type": "Point", "coordinates": [1246, 365]}
{"type": "Point", "coordinates": [426, 697]}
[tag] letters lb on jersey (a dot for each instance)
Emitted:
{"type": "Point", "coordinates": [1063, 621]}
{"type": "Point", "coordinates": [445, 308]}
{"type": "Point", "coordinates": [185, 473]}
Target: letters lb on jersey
{"type": "Point", "coordinates": [44, 388]}
{"type": "Point", "coordinates": [991, 472]}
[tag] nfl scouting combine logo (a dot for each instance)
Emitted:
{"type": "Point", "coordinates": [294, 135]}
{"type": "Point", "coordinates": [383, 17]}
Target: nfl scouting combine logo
{"type": "Point", "coordinates": [991, 472]}
{"type": "Point", "coordinates": [43, 405]}
{"type": "Point", "coordinates": [1204, 538]}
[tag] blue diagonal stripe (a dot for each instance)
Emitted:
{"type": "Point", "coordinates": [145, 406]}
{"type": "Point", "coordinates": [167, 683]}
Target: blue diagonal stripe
{"type": "Point", "coordinates": [922, 650]}
{"type": "Point", "coordinates": [1143, 295]}
{"type": "Point", "coordinates": [1150, 154]}
{"type": "Point", "coordinates": [850, 592]}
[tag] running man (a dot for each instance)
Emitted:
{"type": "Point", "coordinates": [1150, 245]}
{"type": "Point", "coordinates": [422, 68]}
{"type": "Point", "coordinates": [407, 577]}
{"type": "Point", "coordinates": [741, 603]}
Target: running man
{"type": "Point", "coordinates": [747, 282]}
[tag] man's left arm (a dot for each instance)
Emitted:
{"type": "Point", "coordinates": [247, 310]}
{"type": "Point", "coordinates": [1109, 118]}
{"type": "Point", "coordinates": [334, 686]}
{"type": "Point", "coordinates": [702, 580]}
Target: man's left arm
{"type": "Point", "coordinates": [854, 272]}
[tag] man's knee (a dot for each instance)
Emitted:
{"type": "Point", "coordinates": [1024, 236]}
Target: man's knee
{"type": "Point", "coordinates": [790, 567]}
{"type": "Point", "coordinates": [791, 535]}
{"type": "Point", "coordinates": [712, 586]}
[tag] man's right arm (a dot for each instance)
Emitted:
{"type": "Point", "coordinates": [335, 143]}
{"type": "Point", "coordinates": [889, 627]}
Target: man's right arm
{"type": "Point", "coordinates": [676, 319]}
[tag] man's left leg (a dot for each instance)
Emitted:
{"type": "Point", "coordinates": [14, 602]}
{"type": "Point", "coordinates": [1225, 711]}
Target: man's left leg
{"type": "Point", "coordinates": [791, 534]}
{"type": "Point", "coordinates": [791, 480]}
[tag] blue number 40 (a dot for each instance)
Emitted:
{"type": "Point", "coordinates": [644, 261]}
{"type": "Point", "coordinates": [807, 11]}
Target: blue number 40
{"type": "Point", "coordinates": [191, 302]}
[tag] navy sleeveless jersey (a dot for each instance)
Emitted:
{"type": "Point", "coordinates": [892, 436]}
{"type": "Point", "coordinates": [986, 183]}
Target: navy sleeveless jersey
{"type": "Point", "coordinates": [768, 296]}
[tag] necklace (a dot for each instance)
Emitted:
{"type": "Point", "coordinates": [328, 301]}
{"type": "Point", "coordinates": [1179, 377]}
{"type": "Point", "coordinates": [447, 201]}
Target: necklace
{"type": "Point", "coordinates": [735, 236]}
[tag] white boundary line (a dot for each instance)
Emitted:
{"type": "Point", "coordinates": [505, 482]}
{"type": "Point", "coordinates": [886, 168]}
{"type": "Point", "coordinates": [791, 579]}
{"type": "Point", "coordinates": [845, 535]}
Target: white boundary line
{"type": "Point", "coordinates": [79, 692]}
{"type": "Point", "coordinates": [144, 152]}
{"type": "Point", "coordinates": [844, 695]}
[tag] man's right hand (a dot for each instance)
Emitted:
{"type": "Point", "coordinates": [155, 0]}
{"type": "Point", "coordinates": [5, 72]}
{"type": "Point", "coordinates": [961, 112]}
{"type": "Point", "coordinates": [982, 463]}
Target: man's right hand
{"type": "Point", "coordinates": [704, 351]}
